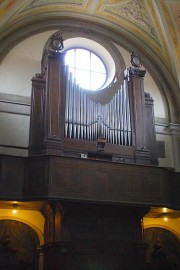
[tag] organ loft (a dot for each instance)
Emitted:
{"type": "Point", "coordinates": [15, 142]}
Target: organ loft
{"type": "Point", "coordinates": [83, 154]}
{"type": "Point", "coordinates": [67, 121]}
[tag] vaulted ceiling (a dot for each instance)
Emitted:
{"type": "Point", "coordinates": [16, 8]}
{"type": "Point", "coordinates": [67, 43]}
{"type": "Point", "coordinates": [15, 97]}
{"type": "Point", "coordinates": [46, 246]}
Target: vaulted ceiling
{"type": "Point", "coordinates": [151, 26]}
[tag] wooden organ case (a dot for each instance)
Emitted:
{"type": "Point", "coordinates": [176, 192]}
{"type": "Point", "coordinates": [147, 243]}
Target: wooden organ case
{"type": "Point", "coordinates": [66, 121]}
{"type": "Point", "coordinates": [69, 124]}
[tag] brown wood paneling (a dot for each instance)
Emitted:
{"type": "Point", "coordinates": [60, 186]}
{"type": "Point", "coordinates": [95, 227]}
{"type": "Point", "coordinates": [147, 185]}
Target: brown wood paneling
{"type": "Point", "coordinates": [36, 134]}
{"type": "Point", "coordinates": [11, 177]}
{"type": "Point", "coordinates": [55, 98]}
{"type": "Point", "coordinates": [107, 181]}
{"type": "Point", "coordinates": [36, 177]}
{"type": "Point", "coordinates": [99, 237]}
{"type": "Point", "coordinates": [150, 129]}
{"type": "Point", "coordinates": [54, 177]}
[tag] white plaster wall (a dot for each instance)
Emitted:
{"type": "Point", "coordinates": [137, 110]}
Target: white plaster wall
{"type": "Point", "coordinates": [151, 88]}
{"type": "Point", "coordinates": [21, 64]}
{"type": "Point", "coordinates": [16, 72]}
{"type": "Point", "coordinates": [14, 132]}
{"type": "Point", "coordinates": [14, 129]}
{"type": "Point", "coordinates": [168, 161]}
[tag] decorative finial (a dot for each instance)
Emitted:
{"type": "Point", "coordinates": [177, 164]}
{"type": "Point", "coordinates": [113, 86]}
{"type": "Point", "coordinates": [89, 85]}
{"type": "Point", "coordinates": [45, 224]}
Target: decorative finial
{"type": "Point", "coordinates": [136, 60]}
{"type": "Point", "coordinates": [57, 43]}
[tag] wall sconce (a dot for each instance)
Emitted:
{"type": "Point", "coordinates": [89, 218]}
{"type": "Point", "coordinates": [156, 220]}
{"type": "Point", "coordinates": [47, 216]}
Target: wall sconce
{"type": "Point", "coordinates": [165, 218]}
{"type": "Point", "coordinates": [101, 142]}
{"type": "Point", "coordinates": [14, 210]}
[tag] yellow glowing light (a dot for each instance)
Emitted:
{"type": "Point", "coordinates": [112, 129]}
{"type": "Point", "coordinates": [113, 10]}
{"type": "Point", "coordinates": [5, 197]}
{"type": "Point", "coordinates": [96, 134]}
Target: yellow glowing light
{"type": "Point", "coordinates": [164, 210]}
{"type": "Point", "coordinates": [165, 219]}
{"type": "Point", "coordinates": [14, 211]}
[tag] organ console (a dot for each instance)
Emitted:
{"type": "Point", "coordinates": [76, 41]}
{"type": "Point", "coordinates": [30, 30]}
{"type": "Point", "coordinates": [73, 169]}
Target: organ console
{"type": "Point", "coordinates": [66, 121]}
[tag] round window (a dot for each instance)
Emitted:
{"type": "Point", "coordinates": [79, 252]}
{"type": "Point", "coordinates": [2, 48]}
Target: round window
{"type": "Point", "coordinates": [87, 68]}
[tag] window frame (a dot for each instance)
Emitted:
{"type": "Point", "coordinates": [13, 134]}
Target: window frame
{"type": "Point", "coordinates": [90, 71]}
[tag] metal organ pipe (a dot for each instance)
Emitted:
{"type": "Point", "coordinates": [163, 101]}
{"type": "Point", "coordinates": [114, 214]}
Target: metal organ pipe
{"type": "Point", "coordinates": [87, 120]}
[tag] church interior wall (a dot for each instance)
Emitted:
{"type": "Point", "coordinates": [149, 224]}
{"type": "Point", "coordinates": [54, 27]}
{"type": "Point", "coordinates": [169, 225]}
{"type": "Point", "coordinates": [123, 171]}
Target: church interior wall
{"type": "Point", "coordinates": [17, 70]}
{"type": "Point", "coordinates": [26, 30]}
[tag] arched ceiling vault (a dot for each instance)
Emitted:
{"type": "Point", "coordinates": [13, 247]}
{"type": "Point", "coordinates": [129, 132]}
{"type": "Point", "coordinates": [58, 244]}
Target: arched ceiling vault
{"type": "Point", "coordinates": [149, 27]}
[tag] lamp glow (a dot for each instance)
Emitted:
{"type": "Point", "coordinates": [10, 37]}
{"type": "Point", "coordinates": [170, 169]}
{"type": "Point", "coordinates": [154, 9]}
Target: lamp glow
{"type": "Point", "coordinates": [14, 211]}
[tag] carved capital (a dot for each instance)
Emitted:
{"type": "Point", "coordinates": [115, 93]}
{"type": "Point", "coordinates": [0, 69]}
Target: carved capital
{"type": "Point", "coordinates": [55, 55]}
{"type": "Point", "coordinates": [47, 211]}
{"type": "Point", "coordinates": [131, 71]}
{"type": "Point", "coordinates": [58, 208]}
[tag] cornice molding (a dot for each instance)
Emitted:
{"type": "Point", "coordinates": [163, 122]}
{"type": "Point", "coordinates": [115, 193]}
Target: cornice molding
{"type": "Point", "coordinates": [167, 128]}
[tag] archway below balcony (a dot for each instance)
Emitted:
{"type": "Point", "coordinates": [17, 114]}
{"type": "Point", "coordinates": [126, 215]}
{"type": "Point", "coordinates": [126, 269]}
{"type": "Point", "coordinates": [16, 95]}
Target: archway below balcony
{"type": "Point", "coordinates": [162, 249]}
{"type": "Point", "coordinates": [18, 246]}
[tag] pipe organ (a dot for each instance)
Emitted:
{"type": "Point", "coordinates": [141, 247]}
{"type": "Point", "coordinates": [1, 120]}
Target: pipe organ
{"type": "Point", "coordinates": [66, 121]}
{"type": "Point", "coordinates": [87, 120]}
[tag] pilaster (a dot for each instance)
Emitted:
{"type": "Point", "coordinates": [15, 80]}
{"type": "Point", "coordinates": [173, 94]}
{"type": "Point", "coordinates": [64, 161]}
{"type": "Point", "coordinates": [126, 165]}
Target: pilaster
{"type": "Point", "coordinates": [135, 79]}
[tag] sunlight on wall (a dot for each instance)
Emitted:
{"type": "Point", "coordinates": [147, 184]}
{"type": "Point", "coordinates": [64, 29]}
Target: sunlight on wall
{"type": "Point", "coordinates": [151, 88]}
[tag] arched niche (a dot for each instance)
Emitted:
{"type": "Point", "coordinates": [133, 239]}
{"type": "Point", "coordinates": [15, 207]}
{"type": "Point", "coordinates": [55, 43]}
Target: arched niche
{"type": "Point", "coordinates": [162, 249]}
{"type": "Point", "coordinates": [18, 246]}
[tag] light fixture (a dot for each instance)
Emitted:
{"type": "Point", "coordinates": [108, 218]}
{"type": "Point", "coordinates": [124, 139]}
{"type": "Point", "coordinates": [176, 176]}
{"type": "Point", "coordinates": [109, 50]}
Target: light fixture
{"type": "Point", "coordinates": [166, 219]}
{"type": "Point", "coordinates": [14, 210]}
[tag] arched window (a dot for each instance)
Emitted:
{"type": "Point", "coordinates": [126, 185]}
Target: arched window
{"type": "Point", "coordinates": [87, 68]}
{"type": "Point", "coordinates": [95, 62]}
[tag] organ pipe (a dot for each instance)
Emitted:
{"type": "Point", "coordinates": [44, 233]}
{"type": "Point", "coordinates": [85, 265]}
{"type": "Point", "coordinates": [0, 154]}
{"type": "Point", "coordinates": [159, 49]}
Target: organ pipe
{"type": "Point", "coordinates": [88, 120]}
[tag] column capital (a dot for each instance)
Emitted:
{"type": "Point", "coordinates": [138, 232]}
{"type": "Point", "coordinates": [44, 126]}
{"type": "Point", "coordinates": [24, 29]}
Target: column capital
{"type": "Point", "coordinates": [131, 71]}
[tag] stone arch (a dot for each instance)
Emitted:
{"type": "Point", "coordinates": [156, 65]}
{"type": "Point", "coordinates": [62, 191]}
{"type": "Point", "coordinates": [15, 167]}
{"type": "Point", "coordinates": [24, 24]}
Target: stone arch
{"type": "Point", "coordinates": [28, 223]}
{"type": "Point", "coordinates": [18, 245]}
{"type": "Point", "coordinates": [162, 249]}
